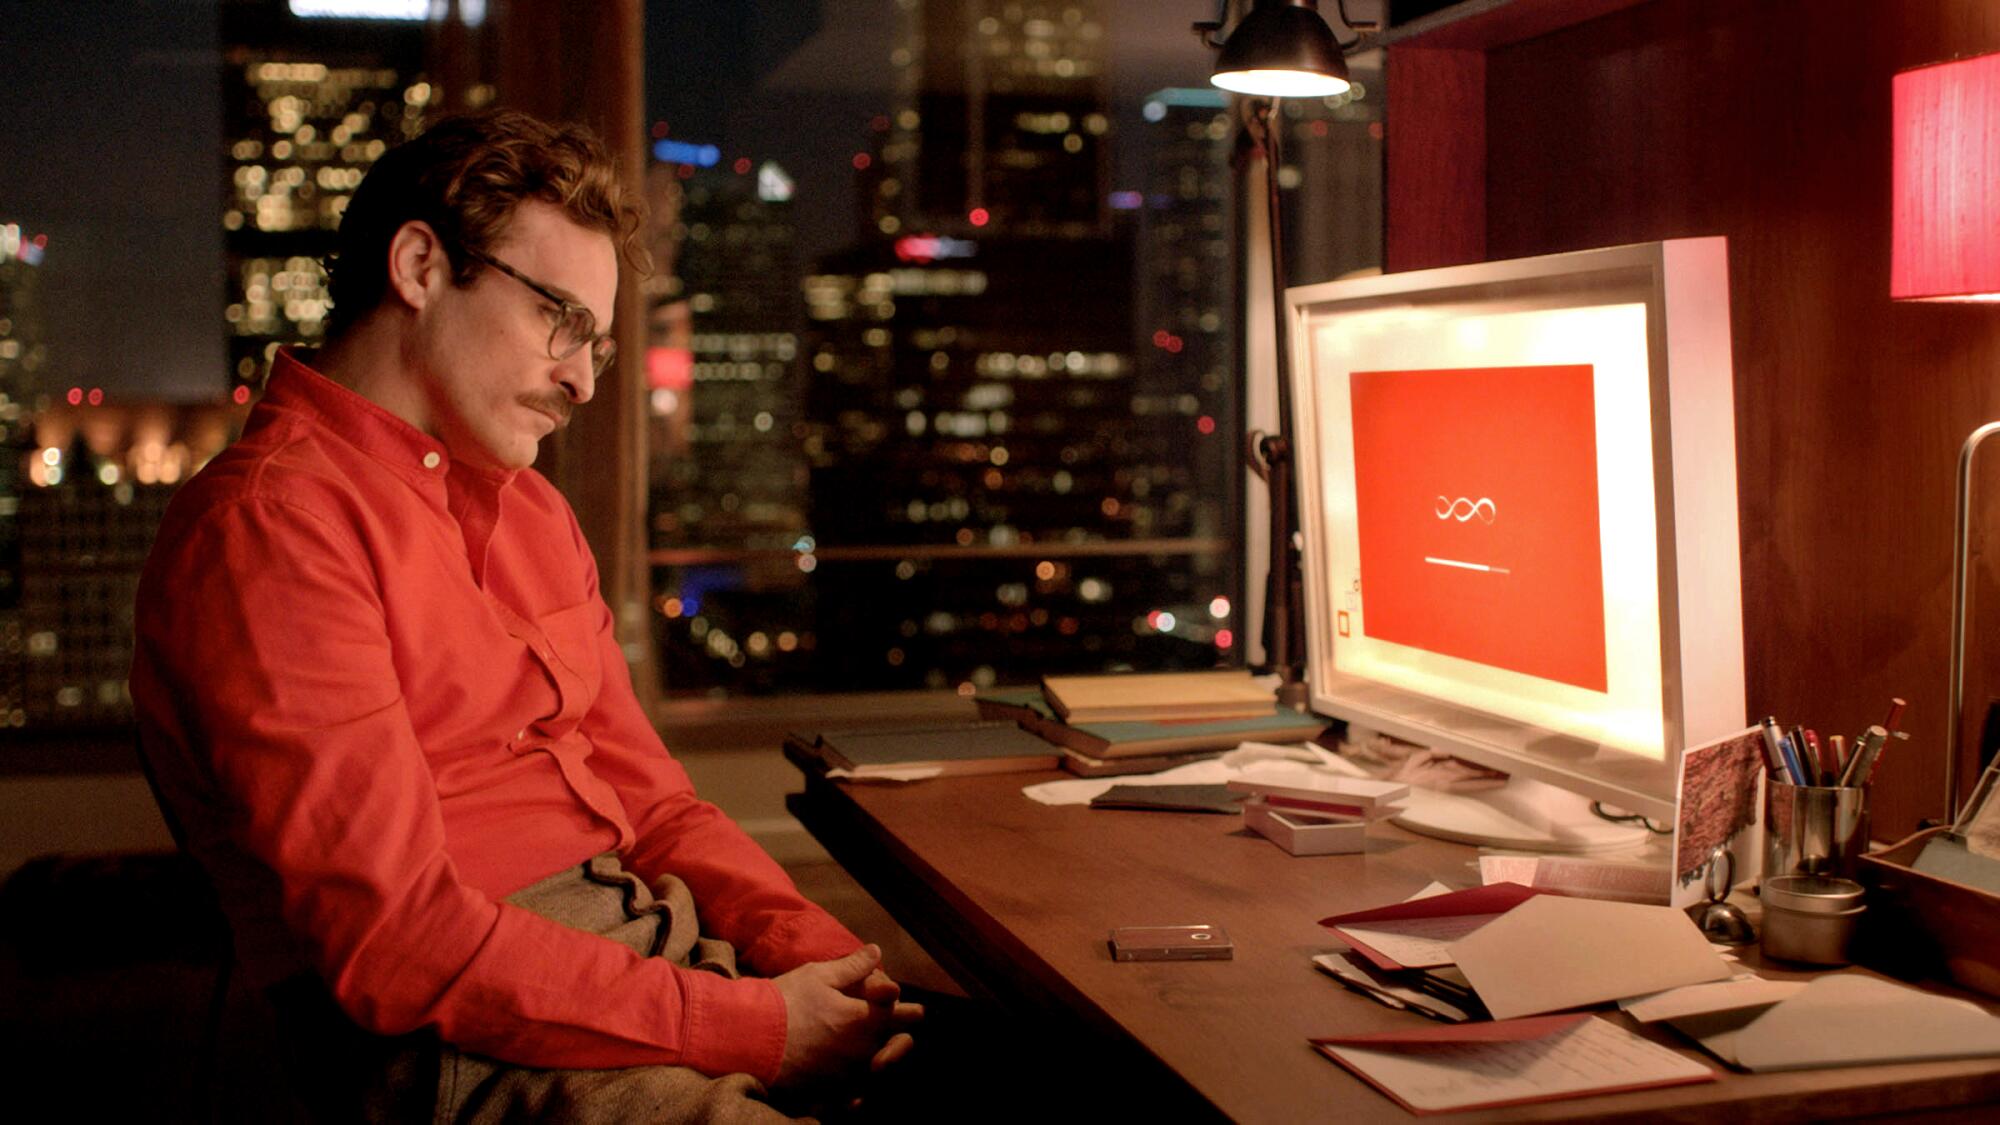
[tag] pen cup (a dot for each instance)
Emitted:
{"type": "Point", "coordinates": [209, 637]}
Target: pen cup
{"type": "Point", "coordinates": [1814, 829]}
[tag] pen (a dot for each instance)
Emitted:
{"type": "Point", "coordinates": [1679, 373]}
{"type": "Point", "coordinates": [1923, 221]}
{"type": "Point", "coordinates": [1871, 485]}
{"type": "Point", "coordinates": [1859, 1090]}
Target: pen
{"type": "Point", "coordinates": [1808, 766]}
{"type": "Point", "coordinates": [1774, 747]}
{"type": "Point", "coordinates": [1837, 747]}
{"type": "Point", "coordinates": [1863, 763]}
{"type": "Point", "coordinates": [1794, 770]}
{"type": "Point", "coordinates": [1822, 767]}
{"type": "Point", "coordinates": [1896, 706]}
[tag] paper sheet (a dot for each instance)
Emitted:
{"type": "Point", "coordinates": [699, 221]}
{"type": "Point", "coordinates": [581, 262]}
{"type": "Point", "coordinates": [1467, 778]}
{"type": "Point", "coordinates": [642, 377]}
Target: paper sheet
{"type": "Point", "coordinates": [1415, 943]}
{"type": "Point", "coordinates": [1246, 761]}
{"type": "Point", "coordinates": [1483, 903]}
{"type": "Point", "coordinates": [1846, 1019]}
{"type": "Point", "coordinates": [1740, 991]}
{"type": "Point", "coordinates": [1483, 1065]}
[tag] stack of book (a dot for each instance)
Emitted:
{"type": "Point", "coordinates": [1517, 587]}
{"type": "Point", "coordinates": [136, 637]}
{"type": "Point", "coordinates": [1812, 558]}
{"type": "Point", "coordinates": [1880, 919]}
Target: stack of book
{"type": "Point", "coordinates": [1141, 723]}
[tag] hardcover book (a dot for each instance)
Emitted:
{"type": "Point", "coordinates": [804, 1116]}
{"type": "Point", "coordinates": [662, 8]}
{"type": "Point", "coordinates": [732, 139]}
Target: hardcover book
{"type": "Point", "coordinates": [952, 749]}
{"type": "Point", "coordinates": [1157, 695]}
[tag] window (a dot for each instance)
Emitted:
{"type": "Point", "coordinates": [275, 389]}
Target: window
{"type": "Point", "coordinates": [944, 373]}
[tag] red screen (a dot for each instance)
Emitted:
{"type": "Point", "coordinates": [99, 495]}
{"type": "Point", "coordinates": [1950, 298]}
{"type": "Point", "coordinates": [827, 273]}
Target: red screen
{"type": "Point", "coordinates": [1476, 500]}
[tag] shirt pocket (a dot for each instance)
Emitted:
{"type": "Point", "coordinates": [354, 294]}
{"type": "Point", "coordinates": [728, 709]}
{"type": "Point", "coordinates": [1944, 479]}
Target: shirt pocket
{"type": "Point", "coordinates": [573, 656]}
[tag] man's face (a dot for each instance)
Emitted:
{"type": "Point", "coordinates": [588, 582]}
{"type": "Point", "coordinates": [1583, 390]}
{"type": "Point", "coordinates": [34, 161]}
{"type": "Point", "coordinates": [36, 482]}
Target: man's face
{"type": "Point", "coordinates": [493, 390]}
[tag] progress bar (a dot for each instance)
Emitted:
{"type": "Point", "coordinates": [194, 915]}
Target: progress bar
{"type": "Point", "coordinates": [1467, 565]}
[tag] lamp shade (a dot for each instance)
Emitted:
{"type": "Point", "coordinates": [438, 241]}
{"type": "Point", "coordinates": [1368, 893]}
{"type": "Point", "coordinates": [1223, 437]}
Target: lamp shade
{"type": "Point", "coordinates": [1282, 49]}
{"type": "Point", "coordinates": [1945, 244]}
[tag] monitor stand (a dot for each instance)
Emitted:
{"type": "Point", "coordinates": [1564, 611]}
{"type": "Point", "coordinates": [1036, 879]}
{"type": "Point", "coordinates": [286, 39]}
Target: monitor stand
{"type": "Point", "coordinates": [1522, 815]}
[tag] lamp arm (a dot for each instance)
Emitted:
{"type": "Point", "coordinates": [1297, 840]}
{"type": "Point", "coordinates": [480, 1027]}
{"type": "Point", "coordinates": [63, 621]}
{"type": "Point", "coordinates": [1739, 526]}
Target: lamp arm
{"type": "Point", "coordinates": [1205, 29]}
{"type": "Point", "coordinates": [1961, 560]}
{"type": "Point", "coordinates": [1354, 25]}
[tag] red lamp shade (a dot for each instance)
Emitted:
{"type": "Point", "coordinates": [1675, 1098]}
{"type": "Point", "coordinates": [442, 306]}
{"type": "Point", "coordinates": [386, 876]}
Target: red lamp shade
{"type": "Point", "coordinates": [1946, 240]}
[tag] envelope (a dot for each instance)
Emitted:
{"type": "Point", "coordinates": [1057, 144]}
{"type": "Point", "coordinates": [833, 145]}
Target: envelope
{"type": "Point", "coordinates": [1551, 953]}
{"type": "Point", "coordinates": [1475, 907]}
{"type": "Point", "coordinates": [1847, 1020]}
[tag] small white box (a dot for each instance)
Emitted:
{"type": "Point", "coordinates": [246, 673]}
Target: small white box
{"type": "Point", "coordinates": [1303, 833]}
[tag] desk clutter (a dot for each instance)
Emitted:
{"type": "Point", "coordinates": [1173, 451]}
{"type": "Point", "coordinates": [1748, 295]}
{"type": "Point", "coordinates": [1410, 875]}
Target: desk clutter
{"type": "Point", "coordinates": [1505, 969]}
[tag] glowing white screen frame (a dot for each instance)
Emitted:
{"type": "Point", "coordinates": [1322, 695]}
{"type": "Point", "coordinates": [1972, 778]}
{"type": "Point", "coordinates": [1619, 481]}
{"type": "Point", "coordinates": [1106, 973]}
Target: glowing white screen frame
{"type": "Point", "coordinates": [1682, 288]}
{"type": "Point", "coordinates": [1611, 339]}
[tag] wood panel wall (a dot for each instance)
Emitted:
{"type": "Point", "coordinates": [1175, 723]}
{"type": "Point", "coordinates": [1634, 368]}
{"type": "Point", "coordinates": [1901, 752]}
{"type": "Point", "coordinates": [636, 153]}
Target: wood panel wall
{"type": "Point", "coordinates": [1766, 121]}
{"type": "Point", "coordinates": [584, 62]}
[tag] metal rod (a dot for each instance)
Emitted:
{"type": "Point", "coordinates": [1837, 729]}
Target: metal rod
{"type": "Point", "coordinates": [1961, 559]}
{"type": "Point", "coordinates": [1282, 637]}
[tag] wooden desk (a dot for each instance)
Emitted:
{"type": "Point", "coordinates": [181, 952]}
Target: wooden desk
{"type": "Point", "coordinates": [1015, 899]}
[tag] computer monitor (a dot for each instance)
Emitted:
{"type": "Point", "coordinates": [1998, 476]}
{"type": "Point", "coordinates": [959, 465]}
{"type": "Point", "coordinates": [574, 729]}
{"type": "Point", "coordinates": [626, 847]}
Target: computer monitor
{"type": "Point", "coordinates": [1519, 518]}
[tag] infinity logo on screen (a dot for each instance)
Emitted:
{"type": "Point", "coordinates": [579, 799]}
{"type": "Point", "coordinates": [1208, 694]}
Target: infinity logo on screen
{"type": "Point", "coordinates": [1463, 509]}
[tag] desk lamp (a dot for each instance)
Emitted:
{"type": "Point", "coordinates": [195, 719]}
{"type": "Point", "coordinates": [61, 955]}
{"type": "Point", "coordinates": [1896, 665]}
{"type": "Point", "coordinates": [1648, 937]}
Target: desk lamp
{"type": "Point", "coordinates": [1278, 49]}
{"type": "Point", "coordinates": [1945, 246]}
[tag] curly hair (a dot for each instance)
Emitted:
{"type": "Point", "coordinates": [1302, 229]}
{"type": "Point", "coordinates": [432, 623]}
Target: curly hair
{"type": "Point", "coordinates": [465, 176]}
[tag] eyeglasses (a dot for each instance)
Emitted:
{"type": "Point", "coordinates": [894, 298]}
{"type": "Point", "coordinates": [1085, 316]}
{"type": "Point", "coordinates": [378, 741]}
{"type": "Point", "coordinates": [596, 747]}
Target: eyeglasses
{"type": "Point", "coordinates": [574, 325]}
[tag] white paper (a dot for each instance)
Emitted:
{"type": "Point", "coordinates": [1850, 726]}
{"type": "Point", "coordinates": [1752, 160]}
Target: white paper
{"type": "Point", "coordinates": [1742, 991]}
{"type": "Point", "coordinates": [1416, 943]}
{"type": "Point", "coordinates": [1351, 966]}
{"type": "Point", "coordinates": [1593, 1055]}
{"type": "Point", "coordinates": [1247, 762]}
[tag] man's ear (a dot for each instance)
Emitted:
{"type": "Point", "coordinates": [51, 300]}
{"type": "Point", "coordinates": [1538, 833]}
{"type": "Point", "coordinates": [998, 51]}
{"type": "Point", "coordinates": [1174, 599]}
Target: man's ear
{"type": "Point", "coordinates": [419, 267]}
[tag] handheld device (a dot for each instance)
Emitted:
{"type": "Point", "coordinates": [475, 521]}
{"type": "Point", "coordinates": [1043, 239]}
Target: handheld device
{"type": "Point", "coordinates": [1171, 943]}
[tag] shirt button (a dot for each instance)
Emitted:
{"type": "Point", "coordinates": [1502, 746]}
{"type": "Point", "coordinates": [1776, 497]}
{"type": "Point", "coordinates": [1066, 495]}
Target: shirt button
{"type": "Point", "coordinates": [431, 460]}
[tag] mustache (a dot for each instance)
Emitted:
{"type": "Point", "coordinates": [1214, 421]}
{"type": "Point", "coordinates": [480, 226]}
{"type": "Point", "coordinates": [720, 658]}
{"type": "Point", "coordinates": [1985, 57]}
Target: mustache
{"type": "Point", "coordinates": [553, 403]}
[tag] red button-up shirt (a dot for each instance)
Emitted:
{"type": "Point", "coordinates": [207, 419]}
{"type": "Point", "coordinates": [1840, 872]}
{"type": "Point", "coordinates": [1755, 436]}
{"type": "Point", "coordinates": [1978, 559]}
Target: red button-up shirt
{"type": "Point", "coordinates": [382, 693]}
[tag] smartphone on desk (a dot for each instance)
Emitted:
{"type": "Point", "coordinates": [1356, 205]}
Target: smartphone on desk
{"type": "Point", "coordinates": [1171, 943]}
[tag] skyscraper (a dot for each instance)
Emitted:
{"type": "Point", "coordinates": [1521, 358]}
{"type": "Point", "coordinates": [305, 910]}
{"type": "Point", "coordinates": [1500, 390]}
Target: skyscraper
{"type": "Point", "coordinates": [99, 481]}
{"type": "Point", "coordinates": [308, 106]}
{"type": "Point", "coordinates": [22, 354]}
{"type": "Point", "coordinates": [999, 489]}
{"type": "Point", "coordinates": [727, 426]}
{"type": "Point", "coordinates": [1001, 114]}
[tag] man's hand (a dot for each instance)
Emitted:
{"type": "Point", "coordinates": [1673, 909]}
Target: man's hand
{"type": "Point", "coordinates": [838, 1015]}
{"type": "Point", "coordinates": [885, 997]}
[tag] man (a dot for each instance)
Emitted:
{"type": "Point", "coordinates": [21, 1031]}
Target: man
{"type": "Point", "coordinates": [378, 687]}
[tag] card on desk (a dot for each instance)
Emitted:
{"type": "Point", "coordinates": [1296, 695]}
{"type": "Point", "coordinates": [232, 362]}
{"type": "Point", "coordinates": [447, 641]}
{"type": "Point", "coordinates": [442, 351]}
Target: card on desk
{"type": "Point", "coordinates": [1551, 953]}
{"type": "Point", "coordinates": [1420, 928]}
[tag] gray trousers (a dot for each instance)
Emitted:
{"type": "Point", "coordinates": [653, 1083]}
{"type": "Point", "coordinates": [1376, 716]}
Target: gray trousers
{"type": "Point", "coordinates": [349, 1075]}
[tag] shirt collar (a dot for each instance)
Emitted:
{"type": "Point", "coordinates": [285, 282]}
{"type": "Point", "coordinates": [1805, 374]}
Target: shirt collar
{"type": "Point", "coordinates": [362, 423]}
{"type": "Point", "coordinates": [368, 426]}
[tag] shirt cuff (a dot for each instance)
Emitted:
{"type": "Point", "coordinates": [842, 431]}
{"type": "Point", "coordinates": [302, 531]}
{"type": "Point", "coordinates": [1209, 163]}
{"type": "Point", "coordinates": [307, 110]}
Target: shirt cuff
{"type": "Point", "coordinates": [733, 1026]}
{"type": "Point", "coordinates": [811, 935]}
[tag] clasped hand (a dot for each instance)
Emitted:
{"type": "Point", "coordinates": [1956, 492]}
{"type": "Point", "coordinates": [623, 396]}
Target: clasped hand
{"type": "Point", "coordinates": [841, 1014]}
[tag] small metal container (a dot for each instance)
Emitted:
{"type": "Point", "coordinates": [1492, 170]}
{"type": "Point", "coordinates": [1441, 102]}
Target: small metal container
{"type": "Point", "coordinates": [1810, 918]}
